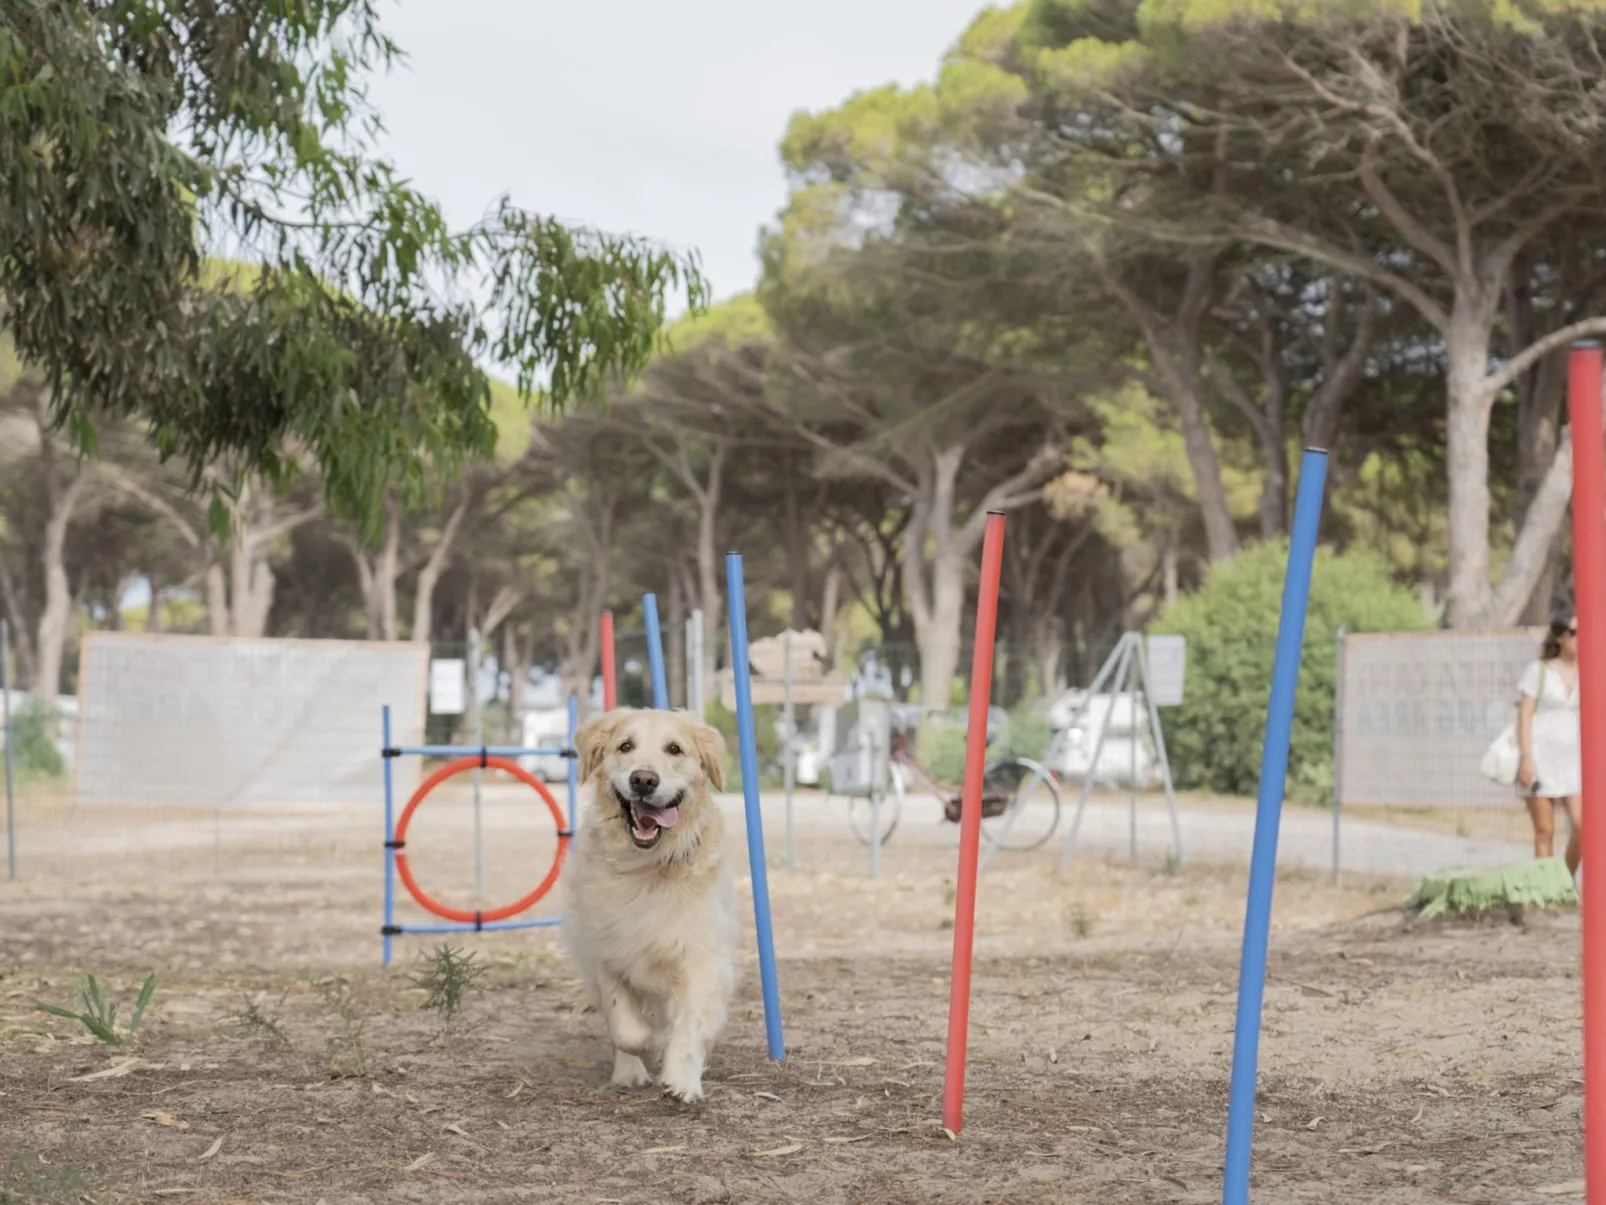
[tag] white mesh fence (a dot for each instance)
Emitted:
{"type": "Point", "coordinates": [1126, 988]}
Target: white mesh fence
{"type": "Point", "coordinates": [1420, 708]}
{"type": "Point", "coordinates": [194, 720]}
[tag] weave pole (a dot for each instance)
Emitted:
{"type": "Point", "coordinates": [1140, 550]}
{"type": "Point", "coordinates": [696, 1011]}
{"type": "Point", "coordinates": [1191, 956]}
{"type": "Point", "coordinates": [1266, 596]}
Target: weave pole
{"type": "Point", "coordinates": [747, 747]}
{"type": "Point", "coordinates": [1268, 814]}
{"type": "Point", "coordinates": [1589, 589]}
{"type": "Point", "coordinates": [610, 687]}
{"type": "Point", "coordinates": [981, 683]}
{"type": "Point", "coordinates": [655, 652]}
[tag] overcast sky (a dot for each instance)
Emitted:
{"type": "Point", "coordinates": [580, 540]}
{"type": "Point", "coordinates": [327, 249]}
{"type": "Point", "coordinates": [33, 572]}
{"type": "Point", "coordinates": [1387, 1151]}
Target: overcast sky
{"type": "Point", "coordinates": [653, 117]}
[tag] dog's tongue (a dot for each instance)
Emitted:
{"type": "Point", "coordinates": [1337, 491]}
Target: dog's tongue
{"type": "Point", "coordinates": [649, 821]}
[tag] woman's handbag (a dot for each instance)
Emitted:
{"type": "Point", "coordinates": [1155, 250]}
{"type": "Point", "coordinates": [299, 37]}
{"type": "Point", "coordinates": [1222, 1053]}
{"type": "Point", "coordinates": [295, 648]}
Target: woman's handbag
{"type": "Point", "coordinates": [1504, 757]}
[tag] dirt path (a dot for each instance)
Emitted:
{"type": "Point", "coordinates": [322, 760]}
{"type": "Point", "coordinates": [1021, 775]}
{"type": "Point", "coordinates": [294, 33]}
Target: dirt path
{"type": "Point", "coordinates": [1424, 1066]}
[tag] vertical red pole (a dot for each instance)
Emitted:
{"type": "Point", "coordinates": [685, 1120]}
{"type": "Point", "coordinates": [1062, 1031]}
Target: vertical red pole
{"type": "Point", "coordinates": [1589, 586]}
{"type": "Point", "coordinates": [610, 688]}
{"type": "Point", "coordinates": [981, 684]}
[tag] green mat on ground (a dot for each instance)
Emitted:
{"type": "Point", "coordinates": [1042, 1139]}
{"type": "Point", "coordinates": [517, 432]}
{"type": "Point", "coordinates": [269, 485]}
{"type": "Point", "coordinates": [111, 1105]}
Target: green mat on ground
{"type": "Point", "coordinates": [1543, 882]}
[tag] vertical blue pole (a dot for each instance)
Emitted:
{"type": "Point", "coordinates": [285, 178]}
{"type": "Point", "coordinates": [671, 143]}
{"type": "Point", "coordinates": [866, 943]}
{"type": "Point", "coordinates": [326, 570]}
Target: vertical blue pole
{"type": "Point", "coordinates": [655, 652]}
{"type": "Point", "coordinates": [574, 762]}
{"type": "Point", "coordinates": [390, 829]}
{"type": "Point", "coordinates": [1268, 812]}
{"type": "Point", "coordinates": [747, 744]}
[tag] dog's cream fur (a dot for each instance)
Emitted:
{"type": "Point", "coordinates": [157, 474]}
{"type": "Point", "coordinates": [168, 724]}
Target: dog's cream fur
{"type": "Point", "coordinates": [654, 929]}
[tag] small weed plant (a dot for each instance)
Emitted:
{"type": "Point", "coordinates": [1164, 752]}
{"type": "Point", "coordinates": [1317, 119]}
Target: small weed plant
{"type": "Point", "coordinates": [99, 1016]}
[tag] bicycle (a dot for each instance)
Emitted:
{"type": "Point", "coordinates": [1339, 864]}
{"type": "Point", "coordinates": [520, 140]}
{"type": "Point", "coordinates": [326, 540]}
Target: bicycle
{"type": "Point", "coordinates": [1020, 801]}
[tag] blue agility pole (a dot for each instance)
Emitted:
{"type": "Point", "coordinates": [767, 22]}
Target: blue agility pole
{"type": "Point", "coordinates": [655, 651]}
{"type": "Point", "coordinates": [747, 743]}
{"type": "Point", "coordinates": [390, 827]}
{"type": "Point", "coordinates": [1268, 812]}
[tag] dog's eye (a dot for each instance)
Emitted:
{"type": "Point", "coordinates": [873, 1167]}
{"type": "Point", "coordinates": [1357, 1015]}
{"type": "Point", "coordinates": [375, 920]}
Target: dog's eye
{"type": "Point", "coordinates": [627, 746]}
{"type": "Point", "coordinates": [673, 749]}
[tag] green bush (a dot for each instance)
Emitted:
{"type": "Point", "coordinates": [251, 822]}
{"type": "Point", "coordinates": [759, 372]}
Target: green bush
{"type": "Point", "coordinates": [765, 738]}
{"type": "Point", "coordinates": [34, 756]}
{"type": "Point", "coordinates": [1214, 739]}
{"type": "Point", "coordinates": [941, 744]}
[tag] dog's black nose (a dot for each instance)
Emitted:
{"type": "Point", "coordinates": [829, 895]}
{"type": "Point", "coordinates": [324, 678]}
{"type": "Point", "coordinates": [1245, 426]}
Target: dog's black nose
{"type": "Point", "coordinates": [643, 782]}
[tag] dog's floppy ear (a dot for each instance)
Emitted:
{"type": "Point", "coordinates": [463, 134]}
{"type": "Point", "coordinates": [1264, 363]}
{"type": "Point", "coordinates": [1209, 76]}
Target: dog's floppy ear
{"type": "Point", "coordinates": [710, 746]}
{"type": "Point", "coordinates": [592, 738]}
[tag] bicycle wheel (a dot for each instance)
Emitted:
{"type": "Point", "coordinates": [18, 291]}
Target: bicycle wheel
{"type": "Point", "coordinates": [862, 812]}
{"type": "Point", "coordinates": [1033, 811]}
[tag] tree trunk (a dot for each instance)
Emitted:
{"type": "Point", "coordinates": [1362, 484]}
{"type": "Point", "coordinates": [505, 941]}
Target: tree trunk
{"type": "Point", "coordinates": [56, 617]}
{"type": "Point", "coordinates": [708, 561]}
{"type": "Point", "coordinates": [830, 604]}
{"type": "Point", "coordinates": [797, 549]}
{"type": "Point", "coordinates": [155, 618]}
{"type": "Point", "coordinates": [516, 654]}
{"type": "Point", "coordinates": [365, 584]}
{"type": "Point", "coordinates": [386, 570]}
{"type": "Point", "coordinates": [675, 641]}
{"type": "Point", "coordinates": [937, 552]}
{"type": "Point", "coordinates": [1168, 572]}
{"type": "Point", "coordinates": [22, 634]}
{"type": "Point", "coordinates": [1048, 645]}
{"type": "Point", "coordinates": [430, 575]}
{"type": "Point", "coordinates": [1467, 460]}
{"type": "Point", "coordinates": [217, 598]}
{"type": "Point", "coordinates": [939, 631]}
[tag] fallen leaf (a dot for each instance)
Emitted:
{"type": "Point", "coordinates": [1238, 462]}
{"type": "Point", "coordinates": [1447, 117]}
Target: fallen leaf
{"type": "Point", "coordinates": [174, 1192]}
{"type": "Point", "coordinates": [1420, 1109]}
{"type": "Point", "coordinates": [862, 1060]}
{"type": "Point", "coordinates": [791, 1148]}
{"type": "Point", "coordinates": [116, 1070]}
{"type": "Point", "coordinates": [1572, 1188]}
{"type": "Point", "coordinates": [504, 1125]}
{"type": "Point", "coordinates": [768, 1096]}
{"type": "Point", "coordinates": [952, 1137]}
{"type": "Point", "coordinates": [1366, 1150]}
{"type": "Point", "coordinates": [1314, 1122]}
{"type": "Point", "coordinates": [663, 1150]}
{"type": "Point", "coordinates": [421, 1162]}
{"type": "Point", "coordinates": [454, 1128]}
{"type": "Point", "coordinates": [1177, 1180]}
{"type": "Point", "coordinates": [845, 1141]}
{"type": "Point", "coordinates": [166, 1119]}
{"type": "Point", "coordinates": [517, 1088]}
{"type": "Point", "coordinates": [212, 1150]}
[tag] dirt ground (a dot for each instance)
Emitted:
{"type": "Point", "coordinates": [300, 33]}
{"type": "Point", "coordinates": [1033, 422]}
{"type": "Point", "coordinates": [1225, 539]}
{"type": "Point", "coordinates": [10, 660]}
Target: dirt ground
{"type": "Point", "coordinates": [280, 1063]}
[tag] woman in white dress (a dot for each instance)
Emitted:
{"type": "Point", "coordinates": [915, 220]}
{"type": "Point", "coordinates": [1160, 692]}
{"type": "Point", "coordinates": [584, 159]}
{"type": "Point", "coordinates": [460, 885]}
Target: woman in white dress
{"type": "Point", "coordinates": [1547, 737]}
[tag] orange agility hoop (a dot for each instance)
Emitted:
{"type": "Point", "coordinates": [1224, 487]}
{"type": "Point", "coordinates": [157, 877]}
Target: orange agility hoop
{"type": "Point", "coordinates": [399, 840]}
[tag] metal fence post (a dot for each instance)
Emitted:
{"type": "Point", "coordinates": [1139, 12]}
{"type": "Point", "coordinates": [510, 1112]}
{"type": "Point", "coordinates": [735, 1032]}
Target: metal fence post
{"type": "Point", "coordinates": [790, 753]}
{"type": "Point", "coordinates": [5, 734]}
{"type": "Point", "coordinates": [1338, 748]}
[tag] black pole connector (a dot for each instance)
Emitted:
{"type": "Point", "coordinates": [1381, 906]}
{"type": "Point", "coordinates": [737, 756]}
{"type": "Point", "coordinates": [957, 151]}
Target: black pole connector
{"type": "Point", "coordinates": [395, 845]}
{"type": "Point", "coordinates": [390, 751]}
{"type": "Point", "coordinates": [566, 833]}
{"type": "Point", "coordinates": [570, 753]}
{"type": "Point", "coordinates": [390, 930]}
{"type": "Point", "coordinates": [479, 920]}
{"type": "Point", "coordinates": [483, 757]}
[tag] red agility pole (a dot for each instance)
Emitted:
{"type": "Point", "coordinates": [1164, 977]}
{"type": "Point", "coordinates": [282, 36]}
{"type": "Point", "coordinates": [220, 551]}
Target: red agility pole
{"type": "Point", "coordinates": [1589, 587]}
{"type": "Point", "coordinates": [610, 689]}
{"type": "Point", "coordinates": [981, 683]}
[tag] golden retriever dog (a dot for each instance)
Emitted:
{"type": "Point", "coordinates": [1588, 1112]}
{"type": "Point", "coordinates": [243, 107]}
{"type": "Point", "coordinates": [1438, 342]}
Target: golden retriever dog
{"type": "Point", "coordinates": [651, 921]}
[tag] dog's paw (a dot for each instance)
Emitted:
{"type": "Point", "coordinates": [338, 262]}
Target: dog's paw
{"type": "Point", "coordinates": [688, 1092]}
{"type": "Point", "coordinates": [629, 1071]}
